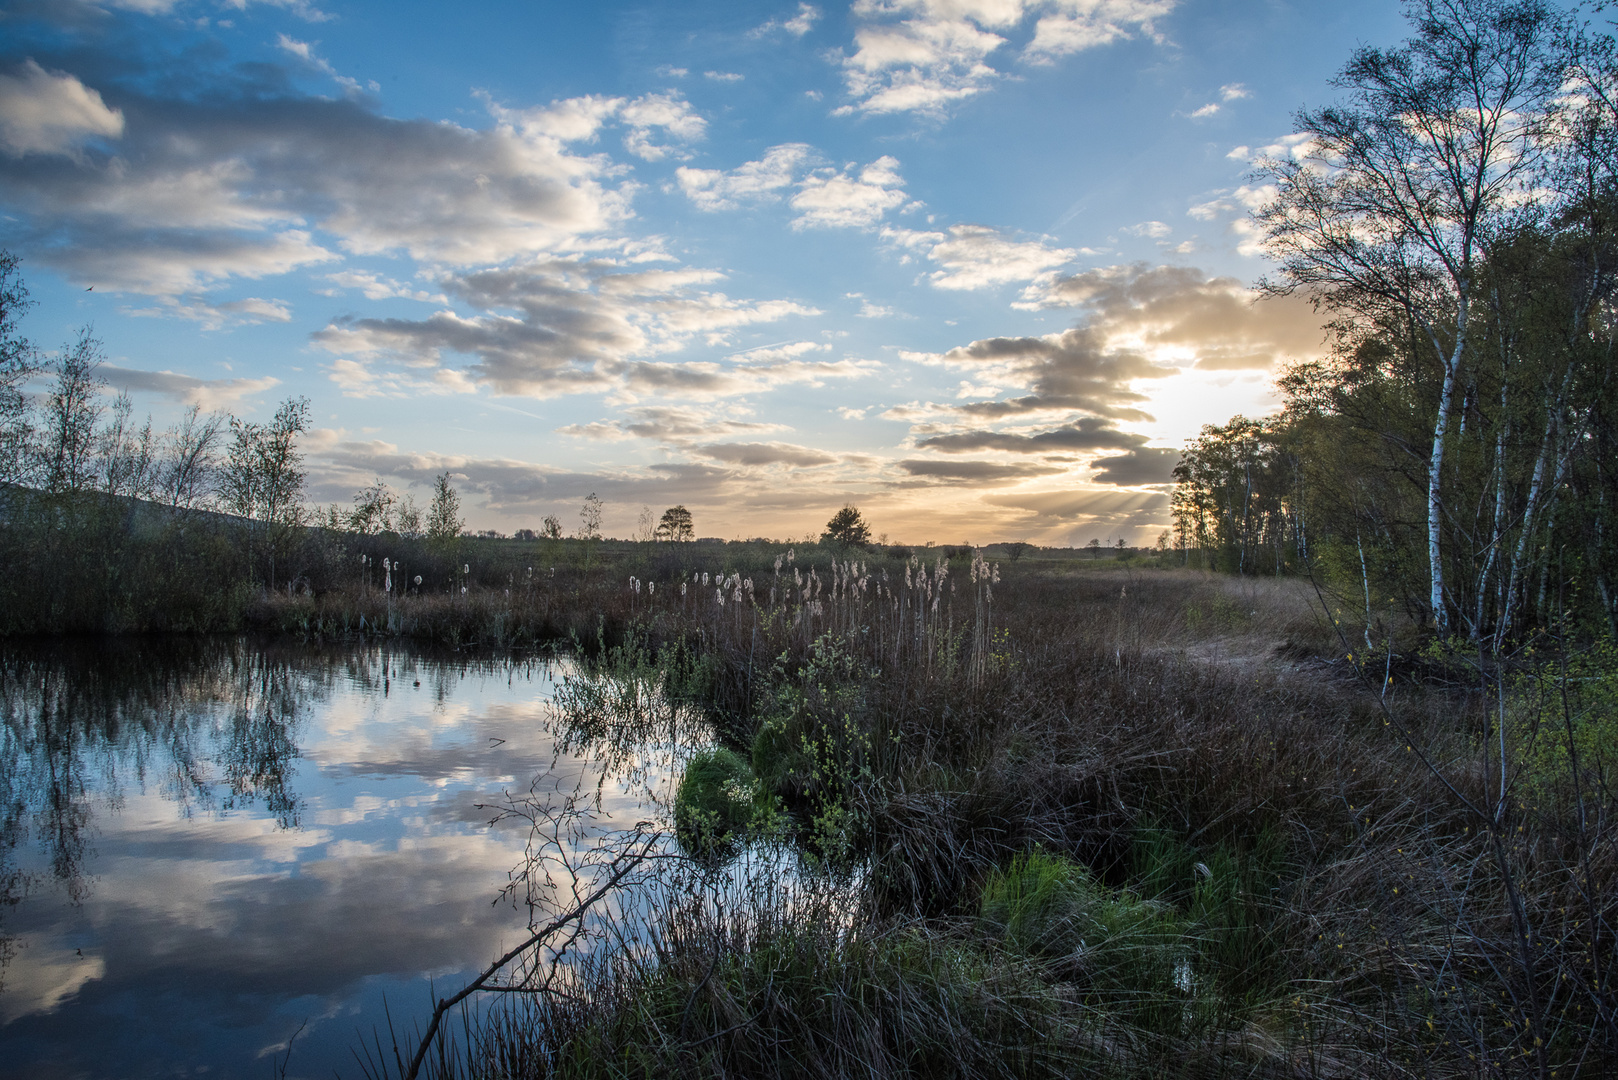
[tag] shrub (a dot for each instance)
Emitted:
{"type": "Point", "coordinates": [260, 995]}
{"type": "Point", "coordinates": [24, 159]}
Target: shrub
{"type": "Point", "coordinates": [714, 804]}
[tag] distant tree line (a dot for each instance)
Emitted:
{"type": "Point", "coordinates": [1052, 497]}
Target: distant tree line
{"type": "Point", "coordinates": [1455, 217]}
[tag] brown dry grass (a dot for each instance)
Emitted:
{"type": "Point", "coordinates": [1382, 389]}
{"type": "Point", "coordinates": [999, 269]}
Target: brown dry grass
{"type": "Point", "coordinates": [1194, 741]}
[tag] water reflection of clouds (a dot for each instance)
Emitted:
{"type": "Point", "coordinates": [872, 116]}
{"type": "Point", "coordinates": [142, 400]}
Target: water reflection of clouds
{"type": "Point", "coordinates": [215, 931]}
{"type": "Point", "coordinates": [43, 974]}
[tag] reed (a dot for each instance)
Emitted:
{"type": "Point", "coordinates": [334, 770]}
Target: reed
{"type": "Point", "coordinates": [1154, 828]}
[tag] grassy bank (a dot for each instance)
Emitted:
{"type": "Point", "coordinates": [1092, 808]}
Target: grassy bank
{"type": "Point", "coordinates": [1122, 822]}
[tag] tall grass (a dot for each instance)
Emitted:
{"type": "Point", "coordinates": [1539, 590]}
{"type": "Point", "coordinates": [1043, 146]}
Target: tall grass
{"type": "Point", "coordinates": [1156, 819]}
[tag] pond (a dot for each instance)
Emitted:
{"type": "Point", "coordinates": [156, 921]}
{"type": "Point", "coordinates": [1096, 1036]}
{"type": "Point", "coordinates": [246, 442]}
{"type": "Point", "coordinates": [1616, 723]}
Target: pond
{"type": "Point", "coordinates": [207, 846]}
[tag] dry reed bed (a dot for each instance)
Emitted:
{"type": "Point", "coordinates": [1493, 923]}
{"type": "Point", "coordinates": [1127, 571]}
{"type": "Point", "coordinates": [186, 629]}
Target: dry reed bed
{"type": "Point", "coordinates": [1347, 914]}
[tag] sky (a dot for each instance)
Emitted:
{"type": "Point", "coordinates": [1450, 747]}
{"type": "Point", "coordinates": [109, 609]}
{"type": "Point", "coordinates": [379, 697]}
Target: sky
{"type": "Point", "coordinates": [977, 267]}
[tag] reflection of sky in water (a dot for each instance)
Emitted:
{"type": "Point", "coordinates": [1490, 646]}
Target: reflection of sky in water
{"type": "Point", "coordinates": [207, 927]}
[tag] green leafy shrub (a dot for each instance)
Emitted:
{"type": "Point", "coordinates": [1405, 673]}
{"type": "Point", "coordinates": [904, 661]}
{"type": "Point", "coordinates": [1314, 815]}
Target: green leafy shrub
{"type": "Point", "coordinates": [814, 750]}
{"type": "Point", "coordinates": [715, 802]}
{"type": "Point", "coordinates": [1562, 724]}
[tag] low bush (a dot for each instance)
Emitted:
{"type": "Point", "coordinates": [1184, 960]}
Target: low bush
{"type": "Point", "coordinates": [715, 803]}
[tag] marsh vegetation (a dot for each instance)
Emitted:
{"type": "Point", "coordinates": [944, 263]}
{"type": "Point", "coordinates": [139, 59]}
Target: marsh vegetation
{"type": "Point", "coordinates": [1132, 822]}
{"type": "Point", "coordinates": [1325, 787]}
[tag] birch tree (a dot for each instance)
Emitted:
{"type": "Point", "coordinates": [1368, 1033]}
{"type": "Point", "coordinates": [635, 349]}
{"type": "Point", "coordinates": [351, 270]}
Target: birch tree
{"type": "Point", "coordinates": [19, 360]}
{"type": "Point", "coordinates": [263, 476]}
{"type": "Point", "coordinates": [1385, 212]}
{"type": "Point", "coordinates": [72, 411]}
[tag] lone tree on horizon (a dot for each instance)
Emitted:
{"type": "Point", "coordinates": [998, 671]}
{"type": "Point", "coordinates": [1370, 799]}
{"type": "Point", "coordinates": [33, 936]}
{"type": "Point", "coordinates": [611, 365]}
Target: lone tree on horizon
{"type": "Point", "coordinates": [676, 524]}
{"type": "Point", "coordinates": [847, 527]}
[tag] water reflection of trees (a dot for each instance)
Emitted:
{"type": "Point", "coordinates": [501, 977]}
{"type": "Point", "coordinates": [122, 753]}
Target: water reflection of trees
{"type": "Point", "coordinates": [210, 725]}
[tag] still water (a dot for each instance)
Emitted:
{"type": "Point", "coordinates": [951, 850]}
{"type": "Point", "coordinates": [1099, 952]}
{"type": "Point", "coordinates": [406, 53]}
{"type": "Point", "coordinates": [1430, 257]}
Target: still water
{"type": "Point", "coordinates": [206, 845]}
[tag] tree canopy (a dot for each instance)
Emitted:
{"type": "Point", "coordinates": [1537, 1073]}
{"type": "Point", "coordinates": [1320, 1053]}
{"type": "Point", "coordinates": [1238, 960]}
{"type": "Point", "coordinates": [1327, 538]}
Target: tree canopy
{"type": "Point", "coordinates": [1456, 213]}
{"type": "Point", "coordinates": [1463, 182]}
{"type": "Point", "coordinates": [847, 527]}
{"type": "Point", "coordinates": [676, 524]}
{"type": "Point", "coordinates": [444, 522]}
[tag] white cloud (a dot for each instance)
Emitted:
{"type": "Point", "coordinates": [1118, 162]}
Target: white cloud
{"type": "Point", "coordinates": [723, 76]}
{"type": "Point", "coordinates": [1076, 25]}
{"type": "Point", "coordinates": [188, 389]}
{"type": "Point", "coordinates": [301, 8]}
{"type": "Point", "coordinates": [235, 184]}
{"type": "Point", "coordinates": [1177, 315]}
{"type": "Point", "coordinates": [669, 424]}
{"type": "Point", "coordinates": [798, 25]}
{"type": "Point", "coordinates": [152, 262]}
{"type": "Point", "coordinates": [825, 198]}
{"type": "Point", "coordinates": [579, 325]}
{"type": "Point", "coordinates": [1294, 147]}
{"type": "Point", "coordinates": [1242, 200]}
{"type": "Point", "coordinates": [1154, 229]}
{"type": "Point", "coordinates": [771, 354]}
{"type": "Point", "coordinates": [358, 379]}
{"type": "Point", "coordinates": [1234, 92]}
{"type": "Point", "coordinates": [918, 65]}
{"type": "Point", "coordinates": [51, 112]}
{"type": "Point", "coordinates": [924, 55]}
{"type": "Point", "coordinates": [765, 453]}
{"type": "Point", "coordinates": [711, 381]}
{"type": "Point", "coordinates": [840, 200]}
{"type": "Point", "coordinates": [753, 181]}
{"type": "Point", "coordinates": [1206, 111]}
{"type": "Point", "coordinates": [212, 316]}
{"type": "Point", "coordinates": [305, 52]}
{"type": "Point", "coordinates": [867, 309]}
{"type": "Point", "coordinates": [666, 112]}
{"type": "Point", "coordinates": [979, 257]}
{"type": "Point", "coordinates": [569, 120]}
{"type": "Point", "coordinates": [376, 287]}
{"type": "Point", "coordinates": [801, 23]}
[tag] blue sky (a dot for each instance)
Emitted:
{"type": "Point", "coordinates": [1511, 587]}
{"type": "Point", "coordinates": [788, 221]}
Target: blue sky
{"type": "Point", "coordinates": [976, 266]}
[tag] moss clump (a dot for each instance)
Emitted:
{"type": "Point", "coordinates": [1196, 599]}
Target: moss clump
{"type": "Point", "coordinates": [713, 807]}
